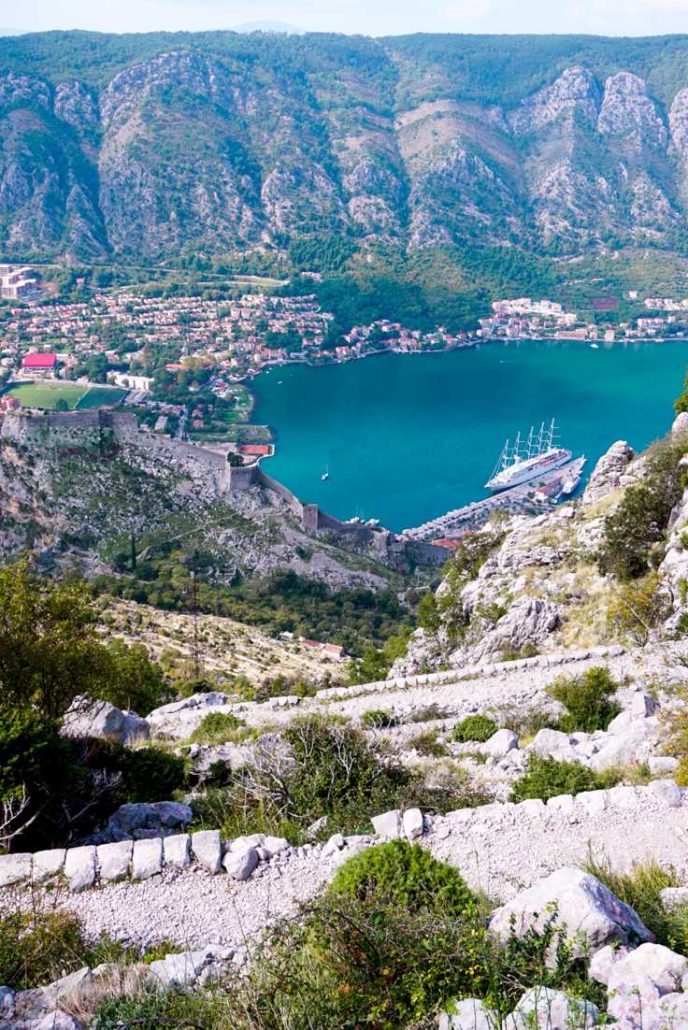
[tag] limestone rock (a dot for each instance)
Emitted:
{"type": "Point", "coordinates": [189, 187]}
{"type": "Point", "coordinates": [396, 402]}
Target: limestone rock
{"type": "Point", "coordinates": [147, 858]}
{"type": "Point", "coordinates": [555, 1010]}
{"type": "Point", "coordinates": [469, 1014]}
{"type": "Point", "coordinates": [606, 476]}
{"type": "Point", "coordinates": [158, 819]}
{"type": "Point", "coordinates": [663, 967]}
{"type": "Point", "coordinates": [80, 867]}
{"type": "Point", "coordinates": [412, 822]}
{"type": "Point", "coordinates": [583, 906]}
{"type": "Point", "coordinates": [47, 864]}
{"type": "Point", "coordinates": [114, 860]}
{"type": "Point", "coordinates": [86, 718]}
{"type": "Point", "coordinates": [529, 621]}
{"type": "Point", "coordinates": [207, 849]}
{"type": "Point", "coordinates": [500, 743]}
{"type": "Point", "coordinates": [177, 851]}
{"type": "Point", "coordinates": [14, 869]}
{"type": "Point", "coordinates": [180, 718]}
{"type": "Point", "coordinates": [241, 864]}
{"type": "Point", "coordinates": [388, 824]}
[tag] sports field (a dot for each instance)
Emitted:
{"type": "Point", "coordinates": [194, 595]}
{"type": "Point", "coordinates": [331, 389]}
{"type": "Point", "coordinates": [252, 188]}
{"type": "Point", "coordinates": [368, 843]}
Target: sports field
{"type": "Point", "coordinates": [75, 395]}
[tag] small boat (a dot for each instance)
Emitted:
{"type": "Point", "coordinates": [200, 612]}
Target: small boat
{"type": "Point", "coordinates": [595, 346]}
{"type": "Point", "coordinates": [326, 473]}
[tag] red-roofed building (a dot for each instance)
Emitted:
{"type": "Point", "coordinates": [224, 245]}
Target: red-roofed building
{"type": "Point", "coordinates": [256, 450]}
{"type": "Point", "coordinates": [39, 363]}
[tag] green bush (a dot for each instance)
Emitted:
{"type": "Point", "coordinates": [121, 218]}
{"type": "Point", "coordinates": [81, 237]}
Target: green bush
{"type": "Point", "coordinates": [428, 744]}
{"type": "Point", "coordinates": [43, 944]}
{"type": "Point", "coordinates": [135, 682]}
{"type": "Point", "coordinates": [147, 774]}
{"type": "Point", "coordinates": [634, 532]}
{"type": "Point", "coordinates": [220, 728]}
{"type": "Point", "coordinates": [404, 875]}
{"type": "Point", "coordinates": [474, 728]}
{"type": "Point", "coordinates": [394, 940]}
{"type": "Point", "coordinates": [588, 700]}
{"type": "Point", "coordinates": [377, 719]}
{"type": "Point", "coordinates": [334, 771]}
{"type": "Point", "coordinates": [547, 778]}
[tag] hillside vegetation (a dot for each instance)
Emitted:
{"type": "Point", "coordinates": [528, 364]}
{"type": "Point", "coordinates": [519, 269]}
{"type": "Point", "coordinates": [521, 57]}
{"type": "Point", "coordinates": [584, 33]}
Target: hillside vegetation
{"type": "Point", "coordinates": [457, 166]}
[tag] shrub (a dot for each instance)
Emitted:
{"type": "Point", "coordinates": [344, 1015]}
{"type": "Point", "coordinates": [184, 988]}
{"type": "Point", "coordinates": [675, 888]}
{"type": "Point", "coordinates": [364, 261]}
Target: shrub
{"type": "Point", "coordinates": [547, 778]}
{"type": "Point", "coordinates": [474, 728]}
{"type": "Point", "coordinates": [637, 608]}
{"type": "Point", "coordinates": [427, 743]}
{"type": "Point", "coordinates": [147, 774]}
{"type": "Point", "coordinates": [391, 943]}
{"type": "Point", "coordinates": [220, 728]}
{"type": "Point", "coordinates": [633, 533]}
{"type": "Point", "coordinates": [377, 719]}
{"type": "Point", "coordinates": [135, 681]}
{"type": "Point", "coordinates": [43, 944]}
{"type": "Point", "coordinates": [588, 700]}
{"type": "Point", "coordinates": [405, 875]}
{"type": "Point", "coordinates": [332, 769]}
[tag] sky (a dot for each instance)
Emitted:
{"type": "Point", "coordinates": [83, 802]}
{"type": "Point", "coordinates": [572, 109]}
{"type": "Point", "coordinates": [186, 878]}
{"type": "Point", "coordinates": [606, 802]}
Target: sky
{"type": "Point", "coordinates": [371, 17]}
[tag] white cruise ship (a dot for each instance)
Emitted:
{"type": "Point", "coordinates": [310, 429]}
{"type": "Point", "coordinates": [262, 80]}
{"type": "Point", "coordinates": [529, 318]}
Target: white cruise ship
{"type": "Point", "coordinates": [526, 461]}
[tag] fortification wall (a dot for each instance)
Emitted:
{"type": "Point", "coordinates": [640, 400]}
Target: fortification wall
{"type": "Point", "coordinates": [201, 472]}
{"type": "Point", "coordinates": [295, 505]}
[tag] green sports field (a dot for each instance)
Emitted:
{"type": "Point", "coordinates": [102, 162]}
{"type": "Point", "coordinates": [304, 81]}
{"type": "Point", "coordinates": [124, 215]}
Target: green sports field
{"type": "Point", "coordinates": [75, 395]}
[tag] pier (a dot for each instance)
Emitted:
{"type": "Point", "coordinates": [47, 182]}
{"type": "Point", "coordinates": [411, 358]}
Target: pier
{"type": "Point", "coordinates": [532, 498]}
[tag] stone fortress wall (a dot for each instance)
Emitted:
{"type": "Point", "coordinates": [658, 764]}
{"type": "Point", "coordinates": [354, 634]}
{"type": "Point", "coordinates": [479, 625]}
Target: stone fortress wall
{"type": "Point", "coordinates": [202, 471]}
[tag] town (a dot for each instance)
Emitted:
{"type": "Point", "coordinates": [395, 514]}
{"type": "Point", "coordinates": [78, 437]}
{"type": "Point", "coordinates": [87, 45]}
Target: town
{"type": "Point", "coordinates": [181, 363]}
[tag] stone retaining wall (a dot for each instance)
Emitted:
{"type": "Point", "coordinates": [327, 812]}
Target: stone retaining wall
{"type": "Point", "coordinates": [88, 866]}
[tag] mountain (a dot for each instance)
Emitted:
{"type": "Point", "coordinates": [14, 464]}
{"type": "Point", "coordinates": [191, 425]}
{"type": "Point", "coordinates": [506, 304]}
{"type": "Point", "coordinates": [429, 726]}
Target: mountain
{"type": "Point", "coordinates": [159, 146]}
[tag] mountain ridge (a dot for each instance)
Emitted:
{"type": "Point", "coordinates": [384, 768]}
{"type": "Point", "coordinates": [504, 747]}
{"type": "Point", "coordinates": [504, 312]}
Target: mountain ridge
{"type": "Point", "coordinates": [231, 144]}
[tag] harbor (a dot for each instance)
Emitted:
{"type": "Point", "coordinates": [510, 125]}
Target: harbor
{"type": "Point", "coordinates": [531, 498]}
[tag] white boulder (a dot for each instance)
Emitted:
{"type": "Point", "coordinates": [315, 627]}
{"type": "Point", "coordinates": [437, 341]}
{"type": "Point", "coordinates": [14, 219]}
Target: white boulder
{"type": "Point", "coordinates": [14, 868]}
{"type": "Point", "coordinates": [206, 846]}
{"type": "Point", "coordinates": [554, 1010]}
{"type": "Point", "coordinates": [588, 911]}
{"type": "Point", "coordinates": [412, 822]}
{"type": "Point", "coordinates": [388, 824]}
{"type": "Point", "coordinates": [87, 718]}
{"type": "Point", "coordinates": [47, 864]}
{"type": "Point", "coordinates": [114, 860]}
{"type": "Point", "coordinates": [500, 743]}
{"type": "Point", "coordinates": [241, 864]}
{"type": "Point", "coordinates": [147, 858]}
{"type": "Point", "coordinates": [80, 867]}
{"type": "Point", "coordinates": [469, 1014]}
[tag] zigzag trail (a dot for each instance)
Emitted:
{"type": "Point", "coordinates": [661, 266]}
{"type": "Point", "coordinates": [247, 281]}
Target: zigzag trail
{"type": "Point", "coordinates": [499, 848]}
{"type": "Point", "coordinates": [462, 691]}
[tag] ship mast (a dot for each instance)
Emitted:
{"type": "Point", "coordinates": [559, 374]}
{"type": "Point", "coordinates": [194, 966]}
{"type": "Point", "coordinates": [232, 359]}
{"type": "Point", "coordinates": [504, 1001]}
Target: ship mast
{"type": "Point", "coordinates": [530, 444]}
{"type": "Point", "coordinates": [517, 448]}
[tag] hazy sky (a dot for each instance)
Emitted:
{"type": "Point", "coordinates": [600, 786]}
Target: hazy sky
{"type": "Point", "coordinates": [373, 17]}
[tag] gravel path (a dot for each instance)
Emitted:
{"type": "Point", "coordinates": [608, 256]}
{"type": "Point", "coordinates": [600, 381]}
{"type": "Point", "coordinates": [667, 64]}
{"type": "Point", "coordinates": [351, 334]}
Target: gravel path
{"type": "Point", "coordinates": [513, 685]}
{"type": "Point", "coordinates": [498, 848]}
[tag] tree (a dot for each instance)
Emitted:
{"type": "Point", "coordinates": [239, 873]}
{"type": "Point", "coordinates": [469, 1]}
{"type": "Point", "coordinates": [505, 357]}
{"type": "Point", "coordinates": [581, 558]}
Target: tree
{"type": "Point", "coordinates": [49, 648]}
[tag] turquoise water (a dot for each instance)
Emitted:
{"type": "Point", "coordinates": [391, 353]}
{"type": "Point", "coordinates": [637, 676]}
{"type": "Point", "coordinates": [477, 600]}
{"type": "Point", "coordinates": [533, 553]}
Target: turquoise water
{"type": "Point", "coordinates": [407, 437]}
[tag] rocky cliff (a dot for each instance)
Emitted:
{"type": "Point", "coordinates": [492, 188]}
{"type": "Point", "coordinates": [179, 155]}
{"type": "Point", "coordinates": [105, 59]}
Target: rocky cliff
{"type": "Point", "coordinates": [156, 146]}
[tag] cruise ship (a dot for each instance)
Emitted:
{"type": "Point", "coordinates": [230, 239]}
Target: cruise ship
{"type": "Point", "coordinates": [528, 460]}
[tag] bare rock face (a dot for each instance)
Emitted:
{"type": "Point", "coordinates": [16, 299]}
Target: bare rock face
{"type": "Point", "coordinates": [576, 94]}
{"type": "Point", "coordinates": [606, 476]}
{"type": "Point", "coordinates": [529, 621]}
{"type": "Point", "coordinates": [628, 111]}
